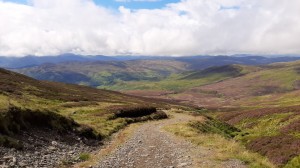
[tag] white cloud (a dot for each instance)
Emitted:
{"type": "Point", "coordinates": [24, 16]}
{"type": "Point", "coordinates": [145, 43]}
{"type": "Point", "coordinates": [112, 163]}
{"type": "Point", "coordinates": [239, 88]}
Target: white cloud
{"type": "Point", "coordinates": [190, 27]}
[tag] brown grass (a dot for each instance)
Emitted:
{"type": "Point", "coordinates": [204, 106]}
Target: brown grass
{"type": "Point", "coordinates": [292, 127]}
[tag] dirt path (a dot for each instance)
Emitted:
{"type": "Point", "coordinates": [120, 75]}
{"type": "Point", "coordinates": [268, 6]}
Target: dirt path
{"type": "Point", "coordinates": [152, 147]}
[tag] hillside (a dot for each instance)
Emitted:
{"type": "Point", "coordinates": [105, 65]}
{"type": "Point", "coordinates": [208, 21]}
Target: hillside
{"type": "Point", "coordinates": [274, 80]}
{"type": "Point", "coordinates": [259, 102]}
{"type": "Point", "coordinates": [105, 72]}
{"type": "Point", "coordinates": [229, 86]}
{"type": "Point", "coordinates": [227, 70]}
{"type": "Point", "coordinates": [263, 104]}
{"type": "Point", "coordinates": [27, 93]}
{"type": "Point", "coordinates": [203, 62]}
{"type": "Point", "coordinates": [74, 116]}
{"type": "Point", "coordinates": [195, 62]}
{"type": "Point", "coordinates": [186, 80]}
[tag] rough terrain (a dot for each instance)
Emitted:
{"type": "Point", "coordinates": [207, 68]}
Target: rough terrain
{"type": "Point", "coordinates": [151, 146]}
{"type": "Point", "coordinates": [46, 149]}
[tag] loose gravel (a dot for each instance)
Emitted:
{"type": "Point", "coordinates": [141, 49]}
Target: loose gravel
{"type": "Point", "coordinates": [45, 149]}
{"type": "Point", "coordinates": [150, 146]}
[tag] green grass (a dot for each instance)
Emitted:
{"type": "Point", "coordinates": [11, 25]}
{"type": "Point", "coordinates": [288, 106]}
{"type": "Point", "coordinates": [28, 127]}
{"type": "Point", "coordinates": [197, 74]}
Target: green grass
{"type": "Point", "coordinates": [3, 102]}
{"type": "Point", "coordinates": [172, 83]}
{"type": "Point", "coordinates": [183, 81]}
{"type": "Point", "coordinates": [294, 163]}
{"type": "Point", "coordinates": [215, 127]}
{"type": "Point", "coordinates": [84, 156]}
{"type": "Point", "coordinates": [265, 126]}
{"type": "Point", "coordinates": [283, 78]}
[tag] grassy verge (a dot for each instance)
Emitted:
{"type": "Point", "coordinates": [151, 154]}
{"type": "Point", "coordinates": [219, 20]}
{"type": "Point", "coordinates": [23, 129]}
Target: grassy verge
{"type": "Point", "coordinates": [224, 148]}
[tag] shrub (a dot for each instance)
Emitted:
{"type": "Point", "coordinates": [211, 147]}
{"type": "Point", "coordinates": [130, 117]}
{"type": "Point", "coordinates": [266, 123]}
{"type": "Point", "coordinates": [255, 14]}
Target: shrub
{"type": "Point", "coordinates": [84, 156]}
{"type": "Point", "coordinates": [214, 126]}
{"type": "Point", "coordinates": [159, 115]}
{"type": "Point", "coordinates": [133, 112]}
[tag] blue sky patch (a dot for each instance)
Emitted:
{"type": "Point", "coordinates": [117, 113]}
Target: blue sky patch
{"type": "Point", "coordinates": [135, 4]}
{"type": "Point", "coordinates": [131, 4]}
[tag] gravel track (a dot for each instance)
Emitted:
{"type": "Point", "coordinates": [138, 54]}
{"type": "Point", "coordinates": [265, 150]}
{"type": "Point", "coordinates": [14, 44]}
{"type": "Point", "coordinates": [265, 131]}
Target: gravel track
{"type": "Point", "coordinates": [152, 147]}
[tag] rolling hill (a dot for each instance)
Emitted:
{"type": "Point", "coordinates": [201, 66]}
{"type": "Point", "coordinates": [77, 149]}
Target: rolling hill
{"type": "Point", "coordinates": [229, 86]}
{"type": "Point", "coordinates": [30, 61]}
{"type": "Point", "coordinates": [111, 72]}
{"type": "Point", "coordinates": [105, 73]}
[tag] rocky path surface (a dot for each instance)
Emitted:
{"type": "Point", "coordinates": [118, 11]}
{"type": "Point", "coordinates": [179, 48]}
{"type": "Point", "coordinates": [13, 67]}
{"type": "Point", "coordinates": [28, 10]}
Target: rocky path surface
{"type": "Point", "coordinates": [152, 147]}
{"type": "Point", "coordinates": [45, 149]}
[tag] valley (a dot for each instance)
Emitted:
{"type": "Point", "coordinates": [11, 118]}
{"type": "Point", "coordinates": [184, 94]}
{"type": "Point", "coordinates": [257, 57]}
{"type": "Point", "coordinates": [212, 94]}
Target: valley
{"type": "Point", "coordinates": [235, 115]}
{"type": "Point", "coordinates": [149, 84]}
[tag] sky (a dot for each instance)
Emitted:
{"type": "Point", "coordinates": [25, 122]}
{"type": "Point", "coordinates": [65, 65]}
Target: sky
{"type": "Point", "coordinates": [149, 27]}
{"type": "Point", "coordinates": [115, 4]}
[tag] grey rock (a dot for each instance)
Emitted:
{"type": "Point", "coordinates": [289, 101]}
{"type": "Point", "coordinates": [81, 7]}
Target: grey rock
{"type": "Point", "coordinates": [54, 143]}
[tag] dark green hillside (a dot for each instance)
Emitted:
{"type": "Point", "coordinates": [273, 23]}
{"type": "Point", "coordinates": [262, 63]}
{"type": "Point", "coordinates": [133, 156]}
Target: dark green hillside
{"type": "Point", "coordinates": [226, 70]}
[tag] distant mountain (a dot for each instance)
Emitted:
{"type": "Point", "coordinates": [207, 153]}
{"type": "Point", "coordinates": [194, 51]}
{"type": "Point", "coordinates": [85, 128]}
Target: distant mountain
{"type": "Point", "coordinates": [112, 70]}
{"type": "Point", "coordinates": [195, 62]}
{"type": "Point", "coordinates": [98, 73]}
{"type": "Point", "coordinates": [203, 62]}
{"type": "Point", "coordinates": [30, 61]}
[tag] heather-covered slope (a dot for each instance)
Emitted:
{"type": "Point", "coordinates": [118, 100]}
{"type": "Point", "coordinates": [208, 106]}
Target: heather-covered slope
{"type": "Point", "coordinates": [78, 102]}
{"type": "Point", "coordinates": [228, 86]}
{"type": "Point", "coordinates": [54, 123]}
